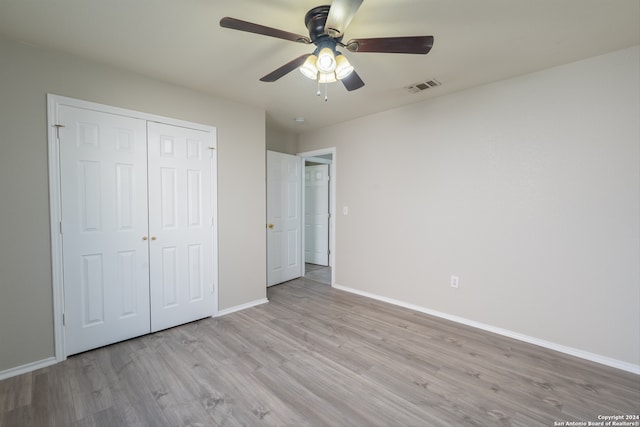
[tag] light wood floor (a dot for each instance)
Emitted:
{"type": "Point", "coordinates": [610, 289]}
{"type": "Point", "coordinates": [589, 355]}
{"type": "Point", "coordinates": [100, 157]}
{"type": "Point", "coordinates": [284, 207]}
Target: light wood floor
{"type": "Point", "coordinates": [317, 356]}
{"type": "Point", "coordinates": [318, 273]}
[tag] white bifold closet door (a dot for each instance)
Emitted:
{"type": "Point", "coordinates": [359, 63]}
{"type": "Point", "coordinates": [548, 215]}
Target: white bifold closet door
{"type": "Point", "coordinates": [180, 224]}
{"type": "Point", "coordinates": [103, 181]}
{"type": "Point", "coordinates": [137, 226]}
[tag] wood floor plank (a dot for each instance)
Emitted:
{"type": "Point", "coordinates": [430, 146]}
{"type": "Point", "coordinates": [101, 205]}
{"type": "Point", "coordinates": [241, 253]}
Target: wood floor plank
{"type": "Point", "coordinates": [317, 356]}
{"type": "Point", "coordinates": [16, 392]}
{"type": "Point", "coordinates": [106, 417]}
{"type": "Point", "coordinates": [91, 393]}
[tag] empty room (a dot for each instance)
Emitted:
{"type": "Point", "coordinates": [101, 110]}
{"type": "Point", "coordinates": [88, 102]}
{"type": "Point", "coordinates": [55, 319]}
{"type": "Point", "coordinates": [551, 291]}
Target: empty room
{"type": "Point", "coordinates": [297, 213]}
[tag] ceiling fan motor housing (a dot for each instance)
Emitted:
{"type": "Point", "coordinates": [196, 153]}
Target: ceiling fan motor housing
{"type": "Point", "coordinates": [315, 21]}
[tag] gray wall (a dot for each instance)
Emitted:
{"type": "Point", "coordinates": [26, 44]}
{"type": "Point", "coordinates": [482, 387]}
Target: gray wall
{"type": "Point", "coordinates": [27, 74]}
{"type": "Point", "coordinates": [280, 140]}
{"type": "Point", "coordinates": [527, 189]}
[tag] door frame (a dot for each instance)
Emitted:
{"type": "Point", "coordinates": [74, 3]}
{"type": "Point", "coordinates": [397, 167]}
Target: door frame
{"type": "Point", "coordinates": [333, 170]}
{"type": "Point", "coordinates": [55, 207]}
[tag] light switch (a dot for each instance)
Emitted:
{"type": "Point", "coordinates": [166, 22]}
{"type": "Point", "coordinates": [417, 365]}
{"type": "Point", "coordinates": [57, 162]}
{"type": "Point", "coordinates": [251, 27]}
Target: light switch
{"type": "Point", "coordinates": [345, 210]}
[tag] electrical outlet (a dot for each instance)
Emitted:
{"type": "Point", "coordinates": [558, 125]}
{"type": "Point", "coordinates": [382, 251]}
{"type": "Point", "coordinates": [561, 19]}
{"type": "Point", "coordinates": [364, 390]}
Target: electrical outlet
{"type": "Point", "coordinates": [455, 281]}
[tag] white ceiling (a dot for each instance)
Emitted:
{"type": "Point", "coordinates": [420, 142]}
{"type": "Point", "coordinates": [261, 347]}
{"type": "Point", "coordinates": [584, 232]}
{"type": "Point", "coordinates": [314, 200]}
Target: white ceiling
{"type": "Point", "coordinates": [180, 41]}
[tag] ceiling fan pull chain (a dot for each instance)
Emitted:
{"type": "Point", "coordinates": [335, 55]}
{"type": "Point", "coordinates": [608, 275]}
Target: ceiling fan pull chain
{"type": "Point", "coordinates": [326, 92]}
{"type": "Point", "coordinates": [318, 80]}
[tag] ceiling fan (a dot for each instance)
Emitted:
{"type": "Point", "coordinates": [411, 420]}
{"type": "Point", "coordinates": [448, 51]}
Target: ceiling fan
{"type": "Point", "coordinates": [326, 26]}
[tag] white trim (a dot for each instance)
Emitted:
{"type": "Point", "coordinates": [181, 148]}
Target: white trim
{"type": "Point", "coordinates": [53, 104]}
{"type": "Point", "coordinates": [302, 203]}
{"type": "Point", "coordinates": [214, 225]}
{"type": "Point", "coordinates": [29, 367]}
{"type": "Point", "coordinates": [308, 155]}
{"type": "Point", "coordinates": [103, 108]}
{"type": "Point", "coordinates": [318, 160]}
{"type": "Point", "coordinates": [241, 307]}
{"type": "Point", "coordinates": [603, 360]}
{"type": "Point", "coordinates": [55, 215]}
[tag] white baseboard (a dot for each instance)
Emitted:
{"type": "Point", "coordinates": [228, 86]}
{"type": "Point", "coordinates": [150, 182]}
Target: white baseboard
{"type": "Point", "coordinates": [241, 307]}
{"type": "Point", "coordinates": [619, 364]}
{"type": "Point", "coordinates": [19, 370]}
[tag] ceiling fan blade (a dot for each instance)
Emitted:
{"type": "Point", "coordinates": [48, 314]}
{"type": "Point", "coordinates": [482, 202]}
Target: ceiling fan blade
{"type": "Point", "coordinates": [285, 69]}
{"type": "Point", "coordinates": [352, 81]}
{"type": "Point", "coordinates": [250, 27]}
{"type": "Point", "coordinates": [416, 44]}
{"type": "Point", "coordinates": [340, 15]}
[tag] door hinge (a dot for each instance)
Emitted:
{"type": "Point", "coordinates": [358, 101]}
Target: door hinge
{"type": "Point", "coordinates": [58, 130]}
{"type": "Point", "coordinates": [61, 227]}
{"type": "Point", "coordinates": [64, 322]}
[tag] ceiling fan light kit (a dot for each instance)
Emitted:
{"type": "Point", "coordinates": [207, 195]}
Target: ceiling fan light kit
{"type": "Point", "coordinates": [326, 26]}
{"type": "Point", "coordinates": [327, 66]}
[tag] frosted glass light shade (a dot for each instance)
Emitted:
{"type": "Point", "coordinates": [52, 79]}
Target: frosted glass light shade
{"type": "Point", "coordinates": [308, 69]}
{"type": "Point", "coordinates": [326, 61]}
{"type": "Point", "coordinates": [327, 77]}
{"type": "Point", "coordinates": [343, 66]}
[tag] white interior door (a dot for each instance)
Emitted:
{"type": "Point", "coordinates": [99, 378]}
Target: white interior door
{"type": "Point", "coordinates": [181, 225]}
{"type": "Point", "coordinates": [103, 191]}
{"type": "Point", "coordinates": [284, 222]}
{"type": "Point", "coordinates": [316, 214]}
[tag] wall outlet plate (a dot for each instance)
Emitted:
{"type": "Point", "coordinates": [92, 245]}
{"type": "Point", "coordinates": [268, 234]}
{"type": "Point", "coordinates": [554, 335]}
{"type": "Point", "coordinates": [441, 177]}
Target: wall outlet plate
{"type": "Point", "coordinates": [455, 281]}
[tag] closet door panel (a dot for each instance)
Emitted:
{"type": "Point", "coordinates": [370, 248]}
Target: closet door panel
{"type": "Point", "coordinates": [181, 225]}
{"type": "Point", "coordinates": [103, 187]}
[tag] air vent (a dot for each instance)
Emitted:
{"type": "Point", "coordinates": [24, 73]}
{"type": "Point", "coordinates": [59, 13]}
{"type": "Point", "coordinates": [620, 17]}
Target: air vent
{"type": "Point", "coordinates": [419, 87]}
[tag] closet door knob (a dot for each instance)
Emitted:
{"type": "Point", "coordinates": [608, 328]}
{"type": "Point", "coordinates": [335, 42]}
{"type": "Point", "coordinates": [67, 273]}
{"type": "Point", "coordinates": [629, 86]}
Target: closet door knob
{"type": "Point", "coordinates": [145, 238]}
{"type": "Point", "coordinates": [153, 237]}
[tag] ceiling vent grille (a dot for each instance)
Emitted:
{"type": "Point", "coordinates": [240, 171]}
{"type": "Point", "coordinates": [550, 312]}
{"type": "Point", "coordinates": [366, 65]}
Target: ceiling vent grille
{"type": "Point", "coordinates": [419, 87]}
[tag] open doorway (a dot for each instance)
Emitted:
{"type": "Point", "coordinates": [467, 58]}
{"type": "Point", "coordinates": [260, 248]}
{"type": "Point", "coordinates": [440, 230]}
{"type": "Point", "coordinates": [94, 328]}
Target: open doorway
{"type": "Point", "coordinates": [318, 206]}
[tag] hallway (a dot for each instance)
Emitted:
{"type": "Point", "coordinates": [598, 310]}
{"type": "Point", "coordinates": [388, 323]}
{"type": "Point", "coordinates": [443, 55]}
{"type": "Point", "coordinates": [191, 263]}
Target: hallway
{"type": "Point", "coordinates": [319, 273]}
